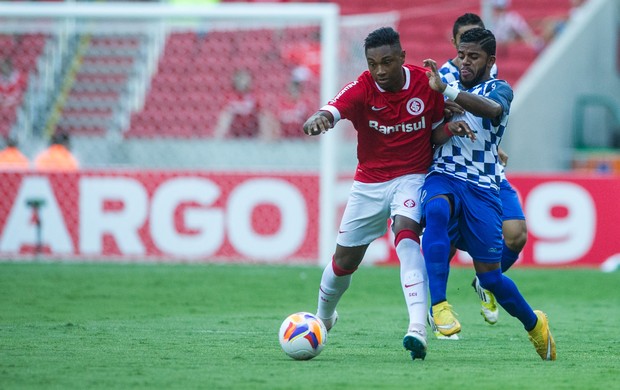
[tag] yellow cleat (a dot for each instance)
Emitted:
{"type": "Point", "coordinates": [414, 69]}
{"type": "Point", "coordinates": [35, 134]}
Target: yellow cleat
{"type": "Point", "coordinates": [445, 320]}
{"type": "Point", "coordinates": [541, 337]}
{"type": "Point", "coordinates": [489, 309]}
{"type": "Point", "coordinates": [436, 332]}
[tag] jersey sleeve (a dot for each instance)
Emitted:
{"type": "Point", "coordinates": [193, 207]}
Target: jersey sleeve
{"type": "Point", "coordinates": [502, 94]}
{"type": "Point", "coordinates": [346, 102]}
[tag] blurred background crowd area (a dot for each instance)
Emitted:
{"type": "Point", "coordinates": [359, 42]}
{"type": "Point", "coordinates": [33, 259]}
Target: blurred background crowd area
{"type": "Point", "coordinates": [104, 86]}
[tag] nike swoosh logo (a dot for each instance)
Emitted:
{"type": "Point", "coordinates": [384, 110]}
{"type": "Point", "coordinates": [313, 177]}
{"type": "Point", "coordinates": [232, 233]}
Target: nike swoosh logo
{"type": "Point", "coordinates": [445, 326]}
{"type": "Point", "coordinates": [413, 284]}
{"type": "Point", "coordinates": [378, 108]}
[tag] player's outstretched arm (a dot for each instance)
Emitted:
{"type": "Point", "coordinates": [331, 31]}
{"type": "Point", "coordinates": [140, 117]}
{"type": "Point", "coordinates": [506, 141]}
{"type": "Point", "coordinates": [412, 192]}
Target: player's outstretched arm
{"type": "Point", "coordinates": [319, 123]}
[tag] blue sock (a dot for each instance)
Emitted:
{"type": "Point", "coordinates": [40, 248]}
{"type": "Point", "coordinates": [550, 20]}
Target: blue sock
{"type": "Point", "coordinates": [436, 247]}
{"type": "Point", "coordinates": [508, 295]}
{"type": "Point", "coordinates": [509, 257]}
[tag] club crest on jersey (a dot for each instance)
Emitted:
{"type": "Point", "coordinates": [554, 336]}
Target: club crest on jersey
{"type": "Point", "coordinates": [415, 106]}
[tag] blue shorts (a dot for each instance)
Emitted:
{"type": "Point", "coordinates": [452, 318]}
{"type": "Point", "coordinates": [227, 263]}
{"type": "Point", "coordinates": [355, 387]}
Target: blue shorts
{"type": "Point", "coordinates": [475, 224]}
{"type": "Point", "coordinates": [511, 207]}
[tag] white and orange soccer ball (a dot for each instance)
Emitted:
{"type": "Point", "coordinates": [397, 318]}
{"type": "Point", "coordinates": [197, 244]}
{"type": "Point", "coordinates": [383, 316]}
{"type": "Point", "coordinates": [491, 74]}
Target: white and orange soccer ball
{"type": "Point", "coordinates": [302, 336]}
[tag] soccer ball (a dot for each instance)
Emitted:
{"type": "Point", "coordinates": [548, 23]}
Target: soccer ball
{"type": "Point", "coordinates": [302, 336]}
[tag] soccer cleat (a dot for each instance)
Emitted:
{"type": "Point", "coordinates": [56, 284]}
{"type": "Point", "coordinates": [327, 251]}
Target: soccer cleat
{"type": "Point", "coordinates": [489, 309]}
{"type": "Point", "coordinates": [541, 337]}
{"type": "Point", "coordinates": [415, 342]}
{"type": "Point", "coordinates": [436, 332]}
{"type": "Point", "coordinates": [445, 320]}
{"type": "Point", "coordinates": [330, 322]}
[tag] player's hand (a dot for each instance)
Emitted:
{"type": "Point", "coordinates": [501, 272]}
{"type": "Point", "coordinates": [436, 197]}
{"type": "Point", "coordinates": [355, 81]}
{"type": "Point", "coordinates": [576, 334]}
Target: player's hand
{"type": "Point", "coordinates": [317, 124]}
{"type": "Point", "coordinates": [461, 129]}
{"type": "Point", "coordinates": [503, 157]}
{"type": "Point", "coordinates": [434, 79]}
{"type": "Point", "coordinates": [452, 109]}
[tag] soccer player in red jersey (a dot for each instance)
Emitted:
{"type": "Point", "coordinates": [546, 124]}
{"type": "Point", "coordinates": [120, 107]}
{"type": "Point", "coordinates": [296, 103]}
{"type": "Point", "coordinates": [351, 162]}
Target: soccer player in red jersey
{"type": "Point", "coordinates": [394, 111]}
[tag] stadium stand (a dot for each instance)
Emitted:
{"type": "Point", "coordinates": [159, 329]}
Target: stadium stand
{"type": "Point", "coordinates": [194, 69]}
{"type": "Point", "coordinates": [96, 85]}
{"type": "Point", "coordinates": [425, 27]}
{"type": "Point", "coordinates": [185, 77]}
{"type": "Point", "coordinates": [21, 51]}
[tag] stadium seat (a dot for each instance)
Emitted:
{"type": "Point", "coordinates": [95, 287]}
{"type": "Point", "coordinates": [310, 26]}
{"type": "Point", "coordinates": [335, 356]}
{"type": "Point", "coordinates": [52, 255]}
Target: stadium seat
{"type": "Point", "coordinates": [24, 51]}
{"type": "Point", "coordinates": [191, 62]}
{"type": "Point", "coordinates": [99, 88]}
{"type": "Point", "coordinates": [421, 37]}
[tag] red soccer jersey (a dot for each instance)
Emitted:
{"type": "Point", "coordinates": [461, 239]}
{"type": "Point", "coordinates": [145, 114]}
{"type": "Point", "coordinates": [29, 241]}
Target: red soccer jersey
{"type": "Point", "coordinates": [393, 128]}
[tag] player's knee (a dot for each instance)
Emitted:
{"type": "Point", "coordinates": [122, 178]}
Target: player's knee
{"type": "Point", "coordinates": [515, 235]}
{"type": "Point", "coordinates": [437, 212]}
{"type": "Point", "coordinates": [345, 265]}
{"type": "Point", "coordinates": [406, 234]}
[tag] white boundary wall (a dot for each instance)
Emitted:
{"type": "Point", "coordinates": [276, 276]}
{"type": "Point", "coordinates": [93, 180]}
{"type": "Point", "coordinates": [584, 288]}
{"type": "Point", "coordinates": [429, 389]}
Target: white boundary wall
{"type": "Point", "coordinates": [582, 60]}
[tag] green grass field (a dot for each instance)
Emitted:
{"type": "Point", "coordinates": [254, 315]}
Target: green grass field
{"type": "Point", "coordinates": [75, 326]}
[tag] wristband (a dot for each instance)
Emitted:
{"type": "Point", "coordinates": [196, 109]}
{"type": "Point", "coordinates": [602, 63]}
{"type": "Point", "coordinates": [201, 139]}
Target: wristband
{"type": "Point", "coordinates": [446, 130]}
{"type": "Point", "coordinates": [451, 92]}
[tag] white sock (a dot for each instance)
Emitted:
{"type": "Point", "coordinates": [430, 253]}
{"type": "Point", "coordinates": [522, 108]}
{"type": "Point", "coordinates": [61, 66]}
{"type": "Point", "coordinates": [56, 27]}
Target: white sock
{"type": "Point", "coordinates": [330, 291]}
{"type": "Point", "coordinates": [414, 282]}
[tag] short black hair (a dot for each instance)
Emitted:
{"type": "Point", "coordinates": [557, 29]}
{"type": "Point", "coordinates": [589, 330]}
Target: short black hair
{"type": "Point", "coordinates": [381, 37]}
{"type": "Point", "coordinates": [467, 19]}
{"type": "Point", "coordinates": [483, 37]}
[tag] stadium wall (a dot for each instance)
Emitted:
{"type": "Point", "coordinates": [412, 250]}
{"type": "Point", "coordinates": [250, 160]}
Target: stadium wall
{"type": "Point", "coordinates": [582, 60]}
{"type": "Point", "coordinates": [205, 216]}
{"type": "Point", "coordinates": [206, 200]}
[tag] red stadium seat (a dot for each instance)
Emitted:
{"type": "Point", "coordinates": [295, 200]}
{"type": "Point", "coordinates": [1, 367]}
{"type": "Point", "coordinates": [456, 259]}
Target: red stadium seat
{"type": "Point", "coordinates": [191, 62]}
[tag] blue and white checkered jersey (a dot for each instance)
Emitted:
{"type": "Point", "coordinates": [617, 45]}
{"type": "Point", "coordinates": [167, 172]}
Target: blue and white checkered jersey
{"type": "Point", "coordinates": [450, 72]}
{"type": "Point", "coordinates": [476, 162]}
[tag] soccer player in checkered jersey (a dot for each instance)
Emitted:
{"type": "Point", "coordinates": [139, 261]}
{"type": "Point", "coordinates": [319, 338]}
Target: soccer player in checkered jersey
{"type": "Point", "coordinates": [514, 227]}
{"type": "Point", "coordinates": [449, 71]}
{"type": "Point", "coordinates": [460, 196]}
{"type": "Point", "coordinates": [393, 110]}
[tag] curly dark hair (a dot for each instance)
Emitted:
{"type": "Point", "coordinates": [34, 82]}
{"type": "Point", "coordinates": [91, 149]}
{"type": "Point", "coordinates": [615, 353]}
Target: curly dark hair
{"type": "Point", "coordinates": [484, 37]}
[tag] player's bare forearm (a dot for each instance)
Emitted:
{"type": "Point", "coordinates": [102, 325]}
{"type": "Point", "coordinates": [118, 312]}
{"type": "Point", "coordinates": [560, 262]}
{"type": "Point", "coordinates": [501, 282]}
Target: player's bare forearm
{"type": "Point", "coordinates": [442, 134]}
{"type": "Point", "coordinates": [451, 108]}
{"type": "Point", "coordinates": [479, 105]}
{"type": "Point", "coordinates": [318, 123]}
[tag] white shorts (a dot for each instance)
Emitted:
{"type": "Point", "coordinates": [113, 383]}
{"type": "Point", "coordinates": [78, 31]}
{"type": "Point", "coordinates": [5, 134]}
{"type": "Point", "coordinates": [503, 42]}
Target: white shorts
{"type": "Point", "coordinates": [370, 205]}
